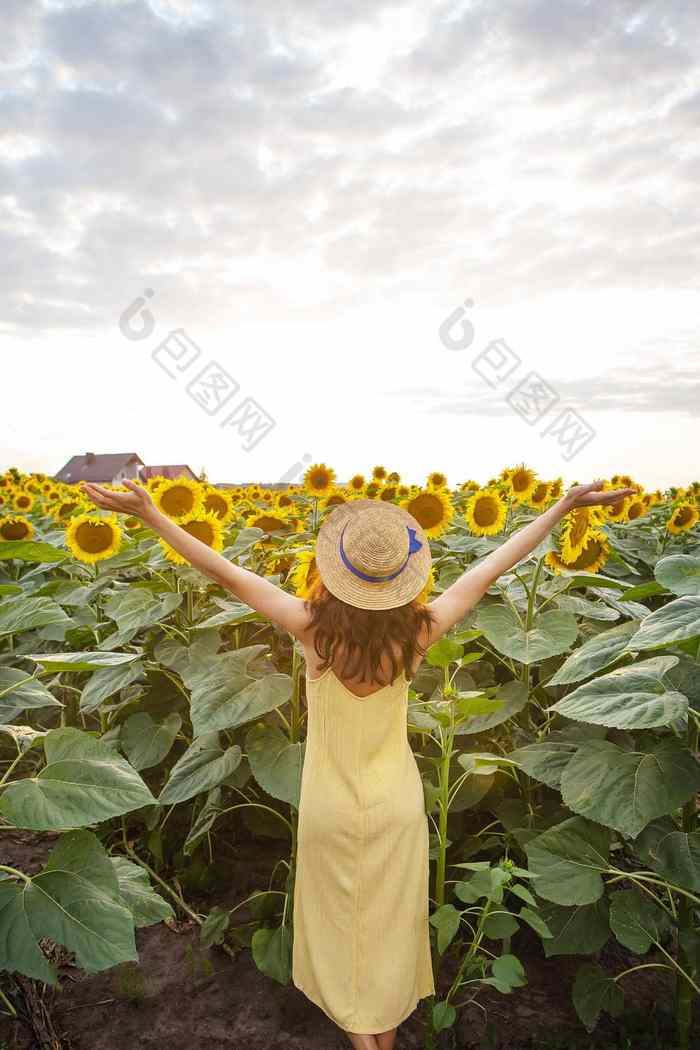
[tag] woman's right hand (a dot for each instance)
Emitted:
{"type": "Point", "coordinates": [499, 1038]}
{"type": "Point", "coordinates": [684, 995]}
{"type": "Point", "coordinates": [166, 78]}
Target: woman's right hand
{"type": "Point", "coordinates": [136, 502]}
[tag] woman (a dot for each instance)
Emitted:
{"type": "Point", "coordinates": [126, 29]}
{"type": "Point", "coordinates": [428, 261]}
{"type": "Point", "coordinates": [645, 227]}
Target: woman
{"type": "Point", "coordinates": [361, 948]}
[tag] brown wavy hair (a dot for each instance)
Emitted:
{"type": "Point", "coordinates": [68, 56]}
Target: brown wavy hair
{"type": "Point", "coordinates": [365, 634]}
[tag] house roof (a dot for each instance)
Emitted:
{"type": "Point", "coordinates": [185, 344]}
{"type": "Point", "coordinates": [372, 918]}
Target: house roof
{"type": "Point", "coordinates": [167, 470]}
{"type": "Point", "coordinates": [92, 467]}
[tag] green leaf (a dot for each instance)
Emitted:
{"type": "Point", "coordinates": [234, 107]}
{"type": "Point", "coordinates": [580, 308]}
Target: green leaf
{"type": "Point", "coordinates": [226, 692]}
{"type": "Point", "coordinates": [626, 789]}
{"type": "Point", "coordinates": [636, 920]}
{"type": "Point", "coordinates": [535, 921]}
{"type": "Point", "coordinates": [631, 697]}
{"type": "Point", "coordinates": [146, 906]}
{"type": "Point", "coordinates": [574, 603]}
{"type": "Point", "coordinates": [446, 921]}
{"type": "Point", "coordinates": [443, 653]}
{"type": "Point", "coordinates": [231, 612]}
{"type": "Point", "coordinates": [592, 992]}
{"type": "Point", "coordinates": [84, 781]}
{"type": "Point", "coordinates": [580, 930]}
{"type": "Point", "coordinates": [25, 614]}
{"type": "Point", "coordinates": [31, 550]}
{"type": "Point", "coordinates": [524, 894]}
{"type": "Point", "coordinates": [276, 762]}
{"type": "Point", "coordinates": [76, 902]}
{"type": "Point", "coordinates": [272, 953]}
{"type": "Point", "coordinates": [511, 696]}
{"type": "Point", "coordinates": [133, 610]}
{"type": "Point", "coordinates": [203, 766]}
{"type": "Point", "coordinates": [677, 621]}
{"type": "Point", "coordinates": [499, 925]}
{"type": "Point", "coordinates": [147, 741]}
{"type": "Point", "coordinates": [674, 854]}
{"type": "Point", "coordinates": [19, 691]}
{"type": "Point", "coordinates": [444, 1016]}
{"type": "Point", "coordinates": [82, 661]}
{"type": "Point", "coordinates": [551, 633]}
{"type": "Point", "coordinates": [569, 859]}
{"type": "Point", "coordinates": [545, 762]}
{"type": "Point", "coordinates": [105, 683]}
{"type": "Point", "coordinates": [509, 971]}
{"type": "Point", "coordinates": [594, 655]}
{"type": "Point", "coordinates": [679, 573]}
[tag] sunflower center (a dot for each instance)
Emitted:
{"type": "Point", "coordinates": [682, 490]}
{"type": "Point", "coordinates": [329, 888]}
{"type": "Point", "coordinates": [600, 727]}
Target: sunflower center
{"type": "Point", "coordinates": [683, 516]}
{"type": "Point", "coordinates": [485, 511]}
{"type": "Point", "coordinates": [93, 538]}
{"type": "Point", "coordinates": [201, 530]}
{"type": "Point", "coordinates": [216, 503]}
{"type": "Point", "coordinates": [427, 510]}
{"type": "Point", "coordinates": [178, 500]}
{"type": "Point", "coordinates": [14, 530]}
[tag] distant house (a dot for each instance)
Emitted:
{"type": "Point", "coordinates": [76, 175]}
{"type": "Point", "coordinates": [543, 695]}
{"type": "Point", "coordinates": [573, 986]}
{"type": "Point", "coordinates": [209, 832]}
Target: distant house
{"type": "Point", "coordinates": [101, 467]}
{"type": "Point", "coordinates": [168, 470]}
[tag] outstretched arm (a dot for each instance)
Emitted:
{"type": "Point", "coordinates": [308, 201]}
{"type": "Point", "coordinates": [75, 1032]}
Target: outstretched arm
{"type": "Point", "coordinates": [261, 594]}
{"type": "Point", "coordinates": [456, 600]}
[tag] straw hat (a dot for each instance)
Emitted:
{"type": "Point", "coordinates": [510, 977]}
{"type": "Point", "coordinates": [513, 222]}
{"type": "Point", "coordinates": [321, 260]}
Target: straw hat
{"type": "Point", "coordinates": [372, 555]}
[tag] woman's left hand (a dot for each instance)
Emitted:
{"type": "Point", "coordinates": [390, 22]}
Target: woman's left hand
{"type": "Point", "coordinates": [591, 495]}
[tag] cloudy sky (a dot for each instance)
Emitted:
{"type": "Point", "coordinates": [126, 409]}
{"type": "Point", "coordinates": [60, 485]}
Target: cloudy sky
{"type": "Point", "coordinates": [436, 235]}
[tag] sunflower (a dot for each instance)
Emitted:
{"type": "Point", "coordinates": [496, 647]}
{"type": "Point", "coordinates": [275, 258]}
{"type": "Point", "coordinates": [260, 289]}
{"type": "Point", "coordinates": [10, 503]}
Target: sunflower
{"type": "Point", "coordinates": [574, 532]}
{"type": "Point", "coordinates": [205, 526]}
{"type": "Point", "coordinates": [470, 485]}
{"type": "Point", "coordinates": [304, 574]}
{"type": "Point", "coordinates": [319, 480]}
{"type": "Point", "coordinates": [394, 478]}
{"type": "Point", "coordinates": [617, 511]}
{"type": "Point", "coordinates": [357, 482]}
{"type": "Point", "coordinates": [522, 482]}
{"type": "Point", "coordinates": [23, 500]}
{"type": "Point", "coordinates": [684, 516]}
{"type": "Point", "coordinates": [220, 503]}
{"type": "Point", "coordinates": [91, 538]}
{"type": "Point", "coordinates": [179, 498]}
{"type": "Point", "coordinates": [154, 482]}
{"type": "Point", "coordinates": [15, 527]}
{"type": "Point", "coordinates": [388, 493]}
{"type": "Point", "coordinates": [65, 508]}
{"type": "Point", "coordinates": [436, 480]}
{"type": "Point", "coordinates": [379, 473]}
{"type": "Point", "coordinates": [485, 512]}
{"type": "Point", "coordinates": [428, 588]}
{"type": "Point", "coordinates": [284, 501]}
{"type": "Point", "coordinates": [403, 491]}
{"type": "Point", "coordinates": [540, 495]}
{"type": "Point", "coordinates": [636, 508]}
{"type": "Point", "coordinates": [556, 487]}
{"type": "Point", "coordinates": [271, 522]}
{"type": "Point", "coordinates": [431, 509]}
{"type": "Point", "coordinates": [591, 558]}
{"type": "Point", "coordinates": [335, 497]}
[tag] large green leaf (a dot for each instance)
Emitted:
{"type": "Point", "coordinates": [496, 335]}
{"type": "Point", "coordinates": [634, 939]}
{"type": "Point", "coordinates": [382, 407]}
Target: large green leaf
{"type": "Point", "coordinates": [75, 900]}
{"type": "Point", "coordinates": [31, 550]}
{"type": "Point", "coordinates": [203, 766]}
{"type": "Point", "coordinates": [592, 992]}
{"type": "Point", "coordinates": [88, 661]}
{"type": "Point", "coordinates": [574, 603]}
{"type": "Point", "coordinates": [627, 789]}
{"type": "Point", "coordinates": [594, 655]}
{"type": "Point", "coordinates": [636, 920]}
{"type": "Point", "coordinates": [675, 622]}
{"type": "Point", "coordinates": [22, 613]}
{"type": "Point", "coordinates": [226, 692]}
{"type": "Point", "coordinates": [551, 633]}
{"type": "Point", "coordinates": [511, 696]}
{"type": "Point", "coordinates": [84, 781]}
{"type": "Point", "coordinates": [679, 573]}
{"type": "Point", "coordinates": [675, 854]}
{"type": "Point", "coordinates": [579, 930]}
{"type": "Point", "coordinates": [272, 952]}
{"type": "Point", "coordinates": [146, 906]}
{"type": "Point", "coordinates": [568, 860]}
{"type": "Point", "coordinates": [147, 740]}
{"type": "Point", "coordinates": [133, 610]}
{"type": "Point", "coordinates": [545, 761]}
{"type": "Point", "coordinates": [103, 684]}
{"type": "Point", "coordinates": [631, 697]}
{"type": "Point", "coordinates": [19, 691]}
{"type": "Point", "coordinates": [231, 612]}
{"type": "Point", "coordinates": [276, 762]}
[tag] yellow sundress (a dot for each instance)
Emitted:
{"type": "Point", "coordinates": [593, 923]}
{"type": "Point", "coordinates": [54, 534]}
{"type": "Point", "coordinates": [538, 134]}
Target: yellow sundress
{"type": "Point", "coordinates": [361, 946]}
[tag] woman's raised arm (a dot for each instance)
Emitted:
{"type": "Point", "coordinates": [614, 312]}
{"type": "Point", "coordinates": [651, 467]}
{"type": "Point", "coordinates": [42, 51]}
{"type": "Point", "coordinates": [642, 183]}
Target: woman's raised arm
{"type": "Point", "coordinates": [261, 594]}
{"type": "Point", "coordinates": [460, 597]}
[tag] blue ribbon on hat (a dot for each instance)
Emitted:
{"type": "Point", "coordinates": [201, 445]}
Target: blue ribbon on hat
{"type": "Point", "coordinates": [413, 546]}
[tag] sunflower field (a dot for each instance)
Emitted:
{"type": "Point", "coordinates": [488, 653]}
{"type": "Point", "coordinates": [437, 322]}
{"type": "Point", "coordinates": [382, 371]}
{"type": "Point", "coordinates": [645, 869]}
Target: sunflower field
{"type": "Point", "coordinates": [152, 723]}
